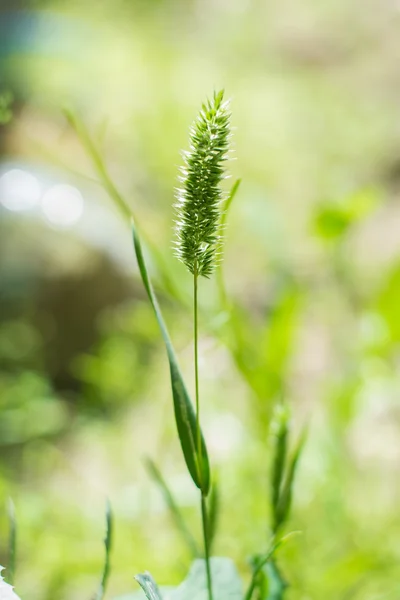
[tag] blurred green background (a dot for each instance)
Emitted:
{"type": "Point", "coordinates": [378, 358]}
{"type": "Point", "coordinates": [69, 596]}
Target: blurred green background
{"type": "Point", "coordinates": [312, 269]}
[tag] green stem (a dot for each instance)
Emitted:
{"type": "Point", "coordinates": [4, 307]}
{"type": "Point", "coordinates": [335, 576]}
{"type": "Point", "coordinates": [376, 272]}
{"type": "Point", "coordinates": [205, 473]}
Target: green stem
{"type": "Point", "coordinates": [204, 518]}
{"type": "Point", "coordinates": [206, 545]}
{"type": "Point", "coordinates": [196, 373]}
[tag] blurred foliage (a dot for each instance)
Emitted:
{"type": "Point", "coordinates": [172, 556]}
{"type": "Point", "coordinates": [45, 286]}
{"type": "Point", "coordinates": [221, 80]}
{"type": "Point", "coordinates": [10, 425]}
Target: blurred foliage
{"type": "Point", "coordinates": [311, 271]}
{"type": "Point", "coordinates": [6, 99]}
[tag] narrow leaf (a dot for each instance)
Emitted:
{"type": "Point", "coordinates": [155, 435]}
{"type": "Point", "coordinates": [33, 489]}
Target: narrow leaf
{"type": "Point", "coordinates": [176, 514]}
{"type": "Point", "coordinates": [12, 542]}
{"type": "Point", "coordinates": [280, 434]}
{"type": "Point", "coordinates": [285, 499]}
{"type": "Point", "coordinates": [107, 544]}
{"type": "Point", "coordinates": [198, 465]}
{"type": "Point", "coordinates": [149, 586]}
{"type": "Point", "coordinates": [229, 200]}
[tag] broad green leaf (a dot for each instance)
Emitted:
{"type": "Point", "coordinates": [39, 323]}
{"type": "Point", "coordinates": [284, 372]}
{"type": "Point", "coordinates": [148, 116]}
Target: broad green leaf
{"type": "Point", "coordinates": [185, 418]}
{"type": "Point", "coordinates": [176, 514]}
{"type": "Point", "coordinates": [107, 544]}
{"type": "Point", "coordinates": [226, 584]}
{"type": "Point", "coordinates": [149, 586]}
{"type": "Point", "coordinates": [225, 581]}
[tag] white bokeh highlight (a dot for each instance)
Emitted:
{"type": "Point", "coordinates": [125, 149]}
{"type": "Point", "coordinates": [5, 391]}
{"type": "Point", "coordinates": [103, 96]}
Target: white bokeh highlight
{"type": "Point", "coordinates": [19, 190]}
{"type": "Point", "coordinates": [62, 205]}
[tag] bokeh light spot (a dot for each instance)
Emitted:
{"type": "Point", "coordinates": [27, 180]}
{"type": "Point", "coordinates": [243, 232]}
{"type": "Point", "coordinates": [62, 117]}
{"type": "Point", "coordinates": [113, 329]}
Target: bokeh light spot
{"type": "Point", "coordinates": [19, 190]}
{"type": "Point", "coordinates": [62, 205]}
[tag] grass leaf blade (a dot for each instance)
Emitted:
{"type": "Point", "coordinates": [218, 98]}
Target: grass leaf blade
{"type": "Point", "coordinates": [107, 544]}
{"type": "Point", "coordinates": [184, 413]}
{"type": "Point", "coordinates": [285, 499]}
{"type": "Point", "coordinates": [280, 433]}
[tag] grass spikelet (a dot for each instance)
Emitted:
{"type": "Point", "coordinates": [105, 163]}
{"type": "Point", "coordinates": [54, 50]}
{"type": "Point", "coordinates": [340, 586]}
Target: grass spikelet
{"type": "Point", "coordinates": [198, 206]}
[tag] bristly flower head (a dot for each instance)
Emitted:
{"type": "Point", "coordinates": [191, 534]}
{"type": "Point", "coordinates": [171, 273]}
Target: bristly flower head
{"type": "Point", "coordinates": [198, 200]}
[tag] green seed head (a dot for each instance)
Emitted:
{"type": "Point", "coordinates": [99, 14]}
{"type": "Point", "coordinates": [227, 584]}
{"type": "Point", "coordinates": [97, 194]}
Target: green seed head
{"type": "Point", "coordinates": [198, 207]}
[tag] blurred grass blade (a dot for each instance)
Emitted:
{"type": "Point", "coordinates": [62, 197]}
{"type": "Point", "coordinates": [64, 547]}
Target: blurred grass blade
{"type": "Point", "coordinates": [83, 135]}
{"type": "Point", "coordinates": [12, 542]}
{"type": "Point", "coordinates": [213, 514]}
{"type": "Point", "coordinates": [280, 434]}
{"type": "Point", "coordinates": [226, 207]}
{"type": "Point", "coordinates": [198, 465]}
{"type": "Point", "coordinates": [285, 499]}
{"type": "Point", "coordinates": [222, 225]}
{"type": "Point", "coordinates": [149, 586]}
{"type": "Point", "coordinates": [229, 200]}
{"type": "Point", "coordinates": [107, 544]}
{"type": "Point", "coordinates": [176, 514]}
{"type": "Point", "coordinates": [107, 182]}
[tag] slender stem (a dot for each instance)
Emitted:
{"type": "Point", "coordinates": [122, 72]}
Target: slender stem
{"type": "Point", "coordinates": [196, 373]}
{"type": "Point", "coordinates": [206, 545]}
{"type": "Point", "coordinates": [204, 517]}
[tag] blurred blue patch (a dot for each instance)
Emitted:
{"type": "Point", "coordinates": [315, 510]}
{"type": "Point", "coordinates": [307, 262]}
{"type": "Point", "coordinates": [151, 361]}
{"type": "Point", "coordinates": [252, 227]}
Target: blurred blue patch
{"type": "Point", "coordinates": [42, 33]}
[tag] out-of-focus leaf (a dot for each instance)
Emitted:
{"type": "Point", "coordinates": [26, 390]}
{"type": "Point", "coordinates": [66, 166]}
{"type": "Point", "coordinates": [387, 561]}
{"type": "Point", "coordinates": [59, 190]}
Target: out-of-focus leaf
{"type": "Point", "coordinates": [6, 99]}
{"type": "Point", "coordinates": [198, 465]}
{"type": "Point", "coordinates": [266, 580]}
{"type": "Point", "coordinates": [107, 544]}
{"type": "Point", "coordinates": [221, 232]}
{"type": "Point", "coordinates": [285, 499]}
{"type": "Point", "coordinates": [333, 219]}
{"type": "Point", "coordinates": [280, 434]}
{"type": "Point", "coordinates": [225, 581]}
{"type": "Point", "coordinates": [388, 302]}
{"type": "Point", "coordinates": [112, 190]}
{"type": "Point", "coordinates": [149, 586]}
{"type": "Point", "coordinates": [176, 514]}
